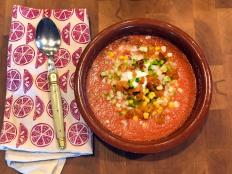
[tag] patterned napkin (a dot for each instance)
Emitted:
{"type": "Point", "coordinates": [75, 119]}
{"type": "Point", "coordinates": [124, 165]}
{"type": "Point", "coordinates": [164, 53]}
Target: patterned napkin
{"type": "Point", "coordinates": [28, 132]}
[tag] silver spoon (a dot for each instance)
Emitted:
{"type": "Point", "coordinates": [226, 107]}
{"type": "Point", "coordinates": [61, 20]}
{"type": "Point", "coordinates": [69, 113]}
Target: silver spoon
{"type": "Point", "coordinates": [48, 41]}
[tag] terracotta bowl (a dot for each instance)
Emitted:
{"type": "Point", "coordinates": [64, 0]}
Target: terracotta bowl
{"type": "Point", "coordinates": [180, 39]}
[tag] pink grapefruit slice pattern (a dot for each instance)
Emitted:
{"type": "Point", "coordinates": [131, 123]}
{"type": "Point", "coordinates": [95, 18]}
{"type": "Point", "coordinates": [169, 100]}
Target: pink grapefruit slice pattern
{"type": "Point", "coordinates": [41, 81]}
{"type": "Point", "coordinates": [8, 105]}
{"type": "Point", "coordinates": [15, 11]}
{"type": "Point", "coordinates": [13, 80]}
{"type": "Point", "coordinates": [62, 15]}
{"type": "Point", "coordinates": [9, 52]}
{"type": "Point", "coordinates": [71, 81]}
{"type": "Point", "coordinates": [40, 59]}
{"type": "Point", "coordinates": [47, 13]}
{"type": "Point", "coordinates": [62, 58]}
{"type": "Point", "coordinates": [8, 132]}
{"type": "Point", "coordinates": [42, 135]}
{"type": "Point", "coordinates": [39, 108]}
{"type": "Point", "coordinates": [27, 81]}
{"type": "Point", "coordinates": [23, 54]}
{"type": "Point", "coordinates": [30, 36]}
{"type": "Point", "coordinates": [80, 33]}
{"type": "Point", "coordinates": [63, 81]}
{"type": "Point", "coordinates": [74, 110]}
{"type": "Point", "coordinates": [17, 31]}
{"type": "Point", "coordinates": [80, 13]}
{"type": "Point", "coordinates": [78, 134]}
{"type": "Point", "coordinates": [66, 34]}
{"type": "Point", "coordinates": [29, 13]}
{"type": "Point", "coordinates": [76, 55]}
{"type": "Point", "coordinates": [23, 135]}
{"type": "Point", "coordinates": [64, 105]}
{"type": "Point", "coordinates": [23, 106]}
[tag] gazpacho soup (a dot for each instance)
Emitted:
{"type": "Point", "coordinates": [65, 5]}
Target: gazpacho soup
{"type": "Point", "coordinates": [141, 88]}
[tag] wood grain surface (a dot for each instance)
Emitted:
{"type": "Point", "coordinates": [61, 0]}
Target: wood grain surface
{"type": "Point", "coordinates": [209, 151]}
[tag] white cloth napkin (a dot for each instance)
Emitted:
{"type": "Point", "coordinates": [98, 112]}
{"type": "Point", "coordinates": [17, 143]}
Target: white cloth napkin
{"type": "Point", "coordinates": [28, 134]}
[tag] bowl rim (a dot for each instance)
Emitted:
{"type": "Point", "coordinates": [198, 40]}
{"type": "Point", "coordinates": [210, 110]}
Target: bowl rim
{"type": "Point", "coordinates": [132, 146]}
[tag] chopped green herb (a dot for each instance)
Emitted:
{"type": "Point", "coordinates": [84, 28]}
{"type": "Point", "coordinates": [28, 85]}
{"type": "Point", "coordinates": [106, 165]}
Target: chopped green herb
{"type": "Point", "coordinates": [155, 62]}
{"type": "Point", "coordinates": [137, 79]}
{"type": "Point", "coordinates": [161, 62]}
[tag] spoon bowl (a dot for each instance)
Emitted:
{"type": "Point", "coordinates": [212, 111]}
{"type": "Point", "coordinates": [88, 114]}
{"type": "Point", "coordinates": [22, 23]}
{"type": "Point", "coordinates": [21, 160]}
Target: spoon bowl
{"type": "Point", "coordinates": [47, 37]}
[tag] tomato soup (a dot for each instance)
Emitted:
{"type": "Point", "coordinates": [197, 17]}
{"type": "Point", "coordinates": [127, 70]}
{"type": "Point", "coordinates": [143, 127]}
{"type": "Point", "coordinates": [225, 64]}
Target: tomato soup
{"type": "Point", "coordinates": [141, 88]}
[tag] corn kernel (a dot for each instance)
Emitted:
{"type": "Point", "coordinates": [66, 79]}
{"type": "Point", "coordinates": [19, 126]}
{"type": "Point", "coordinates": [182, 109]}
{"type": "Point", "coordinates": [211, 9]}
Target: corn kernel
{"type": "Point", "coordinates": [159, 110]}
{"type": "Point", "coordinates": [155, 104]}
{"type": "Point", "coordinates": [151, 95]}
{"type": "Point", "coordinates": [146, 99]}
{"type": "Point", "coordinates": [135, 118]}
{"type": "Point", "coordinates": [144, 104]}
{"type": "Point", "coordinates": [157, 48]}
{"type": "Point", "coordinates": [160, 87]}
{"type": "Point", "coordinates": [145, 115]}
{"type": "Point", "coordinates": [111, 54]}
{"type": "Point", "coordinates": [171, 105]}
{"type": "Point", "coordinates": [123, 57]}
{"type": "Point", "coordinates": [146, 91]}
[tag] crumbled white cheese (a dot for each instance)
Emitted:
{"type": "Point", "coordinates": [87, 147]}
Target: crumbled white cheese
{"type": "Point", "coordinates": [126, 76]}
{"type": "Point", "coordinates": [176, 104]}
{"type": "Point", "coordinates": [124, 123]}
{"type": "Point", "coordinates": [134, 48]}
{"type": "Point", "coordinates": [147, 37]}
{"type": "Point", "coordinates": [180, 90]}
{"type": "Point", "coordinates": [143, 49]}
{"type": "Point", "coordinates": [160, 87]}
{"type": "Point", "coordinates": [169, 54]}
{"type": "Point", "coordinates": [163, 48]}
{"type": "Point", "coordinates": [141, 73]}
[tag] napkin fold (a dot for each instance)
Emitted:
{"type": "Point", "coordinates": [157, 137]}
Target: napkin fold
{"type": "Point", "coordinates": [28, 133]}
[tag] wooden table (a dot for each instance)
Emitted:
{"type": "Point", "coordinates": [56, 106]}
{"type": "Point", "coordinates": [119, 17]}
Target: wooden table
{"type": "Point", "coordinates": [209, 22]}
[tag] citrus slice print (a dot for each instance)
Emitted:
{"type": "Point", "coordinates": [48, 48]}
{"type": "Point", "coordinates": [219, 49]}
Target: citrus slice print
{"type": "Point", "coordinates": [8, 105]}
{"type": "Point", "coordinates": [66, 34]}
{"type": "Point", "coordinates": [64, 105]}
{"type": "Point", "coordinates": [17, 31]}
{"type": "Point", "coordinates": [76, 55]}
{"type": "Point", "coordinates": [22, 136]}
{"type": "Point", "coordinates": [14, 11]}
{"type": "Point", "coordinates": [63, 81]}
{"type": "Point", "coordinates": [39, 108]}
{"type": "Point", "coordinates": [62, 15]}
{"type": "Point", "coordinates": [23, 106]}
{"type": "Point", "coordinates": [71, 81]}
{"type": "Point", "coordinates": [29, 13]}
{"type": "Point", "coordinates": [62, 58]}
{"type": "Point", "coordinates": [23, 54]}
{"type": "Point", "coordinates": [41, 81]}
{"type": "Point", "coordinates": [80, 33]}
{"type": "Point", "coordinates": [9, 52]}
{"type": "Point", "coordinates": [27, 81]}
{"type": "Point", "coordinates": [78, 134]}
{"type": "Point", "coordinates": [41, 135]}
{"type": "Point", "coordinates": [13, 80]}
{"type": "Point", "coordinates": [8, 132]}
{"type": "Point", "coordinates": [40, 59]}
{"type": "Point", "coordinates": [74, 110]}
{"type": "Point", "coordinates": [80, 14]}
{"type": "Point", "coordinates": [47, 13]}
{"type": "Point", "coordinates": [30, 36]}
